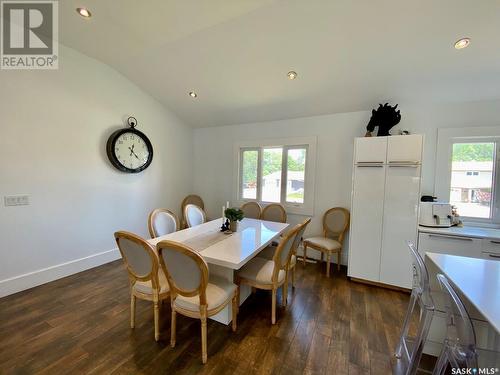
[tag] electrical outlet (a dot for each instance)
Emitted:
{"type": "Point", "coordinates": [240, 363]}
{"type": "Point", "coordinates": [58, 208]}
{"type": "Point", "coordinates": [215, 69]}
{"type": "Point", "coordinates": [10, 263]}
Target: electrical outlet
{"type": "Point", "coordinates": [16, 200]}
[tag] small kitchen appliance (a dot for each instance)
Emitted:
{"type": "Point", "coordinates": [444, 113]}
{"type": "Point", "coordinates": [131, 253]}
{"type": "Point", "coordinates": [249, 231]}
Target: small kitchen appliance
{"type": "Point", "coordinates": [436, 214]}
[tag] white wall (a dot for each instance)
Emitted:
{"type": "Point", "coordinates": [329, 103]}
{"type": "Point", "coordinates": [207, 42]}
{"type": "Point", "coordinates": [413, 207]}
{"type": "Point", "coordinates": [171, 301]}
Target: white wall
{"type": "Point", "coordinates": [54, 126]}
{"type": "Point", "coordinates": [213, 161]}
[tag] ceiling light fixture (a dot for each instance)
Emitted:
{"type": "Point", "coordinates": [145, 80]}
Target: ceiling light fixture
{"type": "Point", "coordinates": [193, 94]}
{"type": "Point", "coordinates": [462, 43]}
{"type": "Point", "coordinates": [84, 12]}
{"type": "Point", "coordinates": [292, 75]}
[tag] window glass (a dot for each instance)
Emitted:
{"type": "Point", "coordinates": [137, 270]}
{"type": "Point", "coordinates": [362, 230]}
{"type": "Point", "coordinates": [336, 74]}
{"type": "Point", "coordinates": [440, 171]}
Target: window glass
{"type": "Point", "coordinates": [250, 162]}
{"type": "Point", "coordinates": [271, 174]}
{"type": "Point", "coordinates": [296, 168]}
{"type": "Point", "coordinates": [472, 173]}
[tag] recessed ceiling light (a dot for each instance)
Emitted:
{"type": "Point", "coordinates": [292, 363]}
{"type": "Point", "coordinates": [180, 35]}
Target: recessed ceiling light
{"type": "Point", "coordinates": [462, 43]}
{"type": "Point", "coordinates": [84, 12]}
{"type": "Point", "coordinates": [193, 94]}
{"type": "Point", "coordinates": [292, 75]}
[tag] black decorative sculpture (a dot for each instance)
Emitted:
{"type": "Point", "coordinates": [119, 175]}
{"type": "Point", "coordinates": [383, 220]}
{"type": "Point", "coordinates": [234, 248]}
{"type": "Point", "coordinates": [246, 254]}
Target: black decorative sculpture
{"type": "Point", "coordinates": [385, 117]}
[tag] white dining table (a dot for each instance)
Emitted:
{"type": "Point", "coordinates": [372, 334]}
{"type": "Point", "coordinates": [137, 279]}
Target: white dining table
{"type": "Point", "coordinates": [226, 253]}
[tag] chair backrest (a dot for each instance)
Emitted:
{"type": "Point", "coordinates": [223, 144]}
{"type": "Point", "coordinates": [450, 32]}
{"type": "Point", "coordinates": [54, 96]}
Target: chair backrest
{"type": "Point", "coordinates": [252, 210]}
{"type": "Point", "coordinates": [460, 334]}
{"type": "Point", "coordinates": [190, 199]}
{"type": "Point", "coordinates": [283, 252]}
{"type": "Point", "coordinates": [194, 215]}
{"type": "Point", "coordinates": [139, 258]}
{"type": "Point", "coordinates": [186, 270]}
{"type": "Point", "coordinates": [299, 235]}
{"type": "Point", "coordinates": [421, 284]}
{"type": "Point", "coordinates": [162, 222]}
{"type": "Point", "coordinates": [419, 316]}
{"type": "Point", "coordinates": [274, 212]}
{"type": "Point", "coordinates": [336, 222]}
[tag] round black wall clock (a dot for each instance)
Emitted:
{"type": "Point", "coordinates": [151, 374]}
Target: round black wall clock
{"type": "Point", "coordinates": [129, 150]}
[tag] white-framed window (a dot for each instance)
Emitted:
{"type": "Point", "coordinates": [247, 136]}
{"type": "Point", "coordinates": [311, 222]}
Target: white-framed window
{"type": "Point", "coordinates": [467, 172]}
{"type": "Point", "coordinates": [277, 171]}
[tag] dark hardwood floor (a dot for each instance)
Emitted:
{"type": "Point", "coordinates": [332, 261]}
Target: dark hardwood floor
{"type": "Point", "coordinates": [80, 324]}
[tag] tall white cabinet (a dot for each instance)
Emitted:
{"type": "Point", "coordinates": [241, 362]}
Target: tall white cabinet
{"type": "Point", "coordinates": [384, 208]}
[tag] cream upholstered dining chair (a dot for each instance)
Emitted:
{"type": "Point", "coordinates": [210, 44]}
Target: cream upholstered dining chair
{"type": "Point", "coordinates": [274, 212]}
{"type": "Point", "coordinates": [296, 243]}
{"type": "Point", "coordinates": [190, 199]}
{"type": "Point", "coordinates": [194, 293]}
{"type": "Point", "coordinates": [252, 210]}
{"type": "Point", "coordinates": [147, 280]}
{"type": "Point", "coordinates": [335, 225]}
{"type": "Point", "coordinates": [268, 252]}
{"type": "Point", "coordinates": [266, 274]}
{"type": "Point", "coordinates": [162, 222]}
{"type": "Point", "coordinates": [194, 215]}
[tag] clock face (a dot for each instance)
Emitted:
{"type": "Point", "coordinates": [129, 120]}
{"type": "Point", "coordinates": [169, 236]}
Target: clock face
{"type": "Point", "coordinates": [129, 150]}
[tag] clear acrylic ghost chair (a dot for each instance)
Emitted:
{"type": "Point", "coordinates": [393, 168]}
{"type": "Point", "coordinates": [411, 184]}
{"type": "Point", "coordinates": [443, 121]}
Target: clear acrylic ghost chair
{"type": "Point", "coordinates": [194, 215]}
{"type": "Point", "coordinates": [409, 349]}
{"type": "Point", "coordinates": [459, 346]}
{"type": "Point", "coordinates": [162, 222]}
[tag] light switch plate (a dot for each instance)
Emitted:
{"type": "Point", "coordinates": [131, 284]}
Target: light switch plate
{"type": "Point", "coordinates": [16, 200]}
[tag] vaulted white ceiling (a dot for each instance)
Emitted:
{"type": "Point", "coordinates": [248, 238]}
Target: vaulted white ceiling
{"type": "Point", "coordinates": [349, 54]}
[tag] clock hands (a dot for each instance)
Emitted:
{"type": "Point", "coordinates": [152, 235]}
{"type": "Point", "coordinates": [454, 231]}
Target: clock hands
{"type": "Point", "coordinates": [132, 151]}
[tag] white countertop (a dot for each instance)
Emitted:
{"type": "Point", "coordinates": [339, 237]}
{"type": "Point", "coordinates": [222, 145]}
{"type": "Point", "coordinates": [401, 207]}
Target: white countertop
{"type": "Point", "coordinates": [477, 279]}
{"type": "Point", "coordinates": [238, 248]}
{"type": "Point", "coordinates": [465, 231]}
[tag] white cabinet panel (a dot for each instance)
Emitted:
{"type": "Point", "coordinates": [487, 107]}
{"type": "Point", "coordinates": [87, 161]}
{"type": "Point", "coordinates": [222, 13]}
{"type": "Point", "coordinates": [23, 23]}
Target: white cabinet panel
{"type": "Point", "coordinates": [366, 222]}
{"type": "Point", "coordinates": [443, 244]}
{"type": "Point", "coordinates": [404, 148]}
{"type": "Point", "coordinates": [491, 246]}
{"type": "Point", "coordinates": [490, 256]}
{"type": "Point", "coordinates": [370, 150]}
{"type": "Point", "coordinates": [402, 187]}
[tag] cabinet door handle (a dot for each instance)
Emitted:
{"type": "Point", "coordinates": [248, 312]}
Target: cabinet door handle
{"type": "Point", "coordinates": [404, 165]}
{"type": "Point", "coordinates": [370, 162]}
{"type": "Point", "coordinates": [404, 162]}
{"type": "Point", "coordinates": [451, 237]}
{"type": "Point", "coordinates": [494, 256]}
{"type": "Point", "coordinates": [495, 242]}
{"type": "Point", "coordinates": [370, 166]}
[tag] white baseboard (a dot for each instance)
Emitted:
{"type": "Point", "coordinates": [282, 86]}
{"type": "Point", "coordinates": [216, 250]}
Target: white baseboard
{"type": "Point", "coordinates": [31, 279]}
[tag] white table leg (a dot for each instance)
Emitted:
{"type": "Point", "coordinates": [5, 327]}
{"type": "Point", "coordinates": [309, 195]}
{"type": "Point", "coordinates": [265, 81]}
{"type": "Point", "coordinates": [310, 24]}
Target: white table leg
{"type": "Point", "coordinates": [225, 316]}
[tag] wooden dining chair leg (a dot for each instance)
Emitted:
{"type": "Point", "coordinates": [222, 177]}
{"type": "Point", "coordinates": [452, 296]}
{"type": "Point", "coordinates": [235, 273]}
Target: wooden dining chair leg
{"type": "Point", "coordinates": [338, 260]}
{"type": "Point", "coordinates": [157, 319]}
{"type": "Point", "coordinates": [203, 319]}
{"type": "Point", "coordinates": [236, 302]}
{"type": "Point", "coordinates": [322, 257]}
{"type": "Point", "coordinates": [273, 307]}
{"type": "Point", "coordinates": [305, 254]}
{"type": "Point", "coordinates": [293, 276]}
{"type": "Point", "coordinates": [173, 327]}
{"type": "Point", "coordinates": [132, 310]}
{"type": "Point", "coordinates": [284, 290]}
{"type": "Point", "coordinates": [327, 264]}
